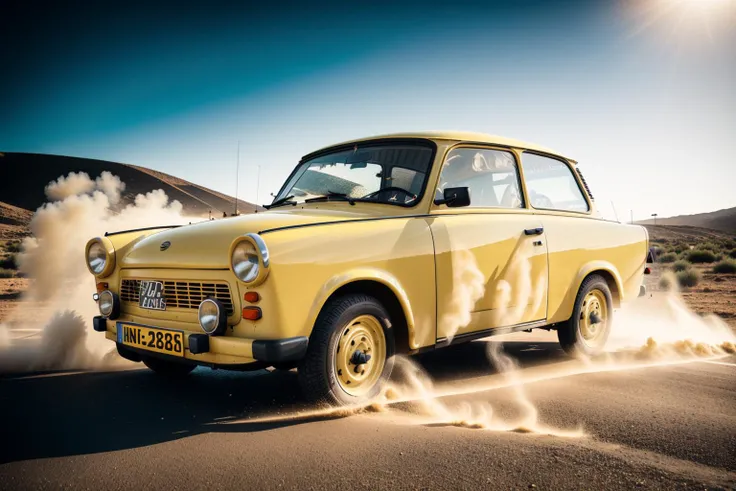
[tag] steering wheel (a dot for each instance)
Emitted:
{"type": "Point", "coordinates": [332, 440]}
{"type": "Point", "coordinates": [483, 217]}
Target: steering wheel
{"type": "Point", "coordinates": [391, 189]}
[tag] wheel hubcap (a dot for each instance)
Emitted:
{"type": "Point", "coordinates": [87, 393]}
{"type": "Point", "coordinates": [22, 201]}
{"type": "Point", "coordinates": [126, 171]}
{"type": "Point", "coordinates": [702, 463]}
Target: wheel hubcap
{"type": "Point", "coordinates": [361, 355]}
{"type": "Point", "coordinates": [593, 316]}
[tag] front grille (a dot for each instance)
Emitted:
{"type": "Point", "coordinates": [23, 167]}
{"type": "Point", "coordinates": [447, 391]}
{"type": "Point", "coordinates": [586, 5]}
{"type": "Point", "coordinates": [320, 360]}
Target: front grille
{"type": "Point", "coordinates": [181, 294]}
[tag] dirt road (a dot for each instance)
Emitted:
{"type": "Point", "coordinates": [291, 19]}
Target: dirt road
{"type": "Point", "coordinates": [652, 427]}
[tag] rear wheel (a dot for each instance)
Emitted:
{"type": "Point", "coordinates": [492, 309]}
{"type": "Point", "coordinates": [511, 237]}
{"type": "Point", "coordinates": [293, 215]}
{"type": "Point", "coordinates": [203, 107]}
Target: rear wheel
{"type": "Point", "coordinates": [350, 352]}
{"type": "Point", "coordinates": [586, 333]}
{"type": "Point", "coordinates": [168, 368]}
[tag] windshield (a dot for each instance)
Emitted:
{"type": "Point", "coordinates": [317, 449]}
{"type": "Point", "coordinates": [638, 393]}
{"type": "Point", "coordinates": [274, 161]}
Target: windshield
{"type": "Point", "coordinates": [391, 174]}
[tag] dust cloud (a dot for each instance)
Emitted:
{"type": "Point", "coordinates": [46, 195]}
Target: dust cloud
{"type": "Point", "coordinates": [648, 332]}
{"type": "Point", "coordinates": [59, 298]}
{"type": "Point", "coordinates": [71, 185]}
{"type": "Point", "coordinates": [467, 288]}
{"type": "Point", "coordinates": [664, 327]}
{"type": "Point", "coordinates": [517, 292]}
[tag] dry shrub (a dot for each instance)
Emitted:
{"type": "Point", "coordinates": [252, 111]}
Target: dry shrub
{"type": "Point", "coordinates": [732, 253]}
{"type": "Point", "coordinates": [6, 273]}
{"type": "Point", "coordinates": [9, 262]}
{"type": "Point", "coordinates": [688, 278]}
{"type": "Point", "coordinates": [12, 247]}
{"type": "Point", "coordinates": [726, 266]}
{"type": "Point", "coordinates": [669, 257]}
{"type": "Point", "coordinates": [680, 265]}
{"type": "Point", "coordinates": [709, 246]}
{"type": "Point", "coordinates": [699, 256]}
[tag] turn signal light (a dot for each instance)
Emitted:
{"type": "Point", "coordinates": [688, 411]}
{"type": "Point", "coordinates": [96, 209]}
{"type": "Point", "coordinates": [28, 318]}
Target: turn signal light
{"type": "Point", "coordinates": [101, 287]}
{"type": "Point", "coordinates": [252, 313]}
{"type": "Point", "coordinates": [252, 297]}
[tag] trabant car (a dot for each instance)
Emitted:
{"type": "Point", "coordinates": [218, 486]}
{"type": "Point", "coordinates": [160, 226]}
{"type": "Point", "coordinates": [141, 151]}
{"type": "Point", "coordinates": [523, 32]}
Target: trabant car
{"type": "Point", "coordinates": [374, 247]}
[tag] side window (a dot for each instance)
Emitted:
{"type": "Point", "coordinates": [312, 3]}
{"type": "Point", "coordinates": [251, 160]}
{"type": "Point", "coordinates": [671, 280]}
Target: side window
{"type": "Point", "coordinates": [491, 176]}
{"type": "Point", "coordinates": [551, 184]}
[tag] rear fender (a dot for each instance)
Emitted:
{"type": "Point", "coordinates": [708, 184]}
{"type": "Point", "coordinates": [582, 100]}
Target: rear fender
{"type": "Point", "coordinates": [586, 270]}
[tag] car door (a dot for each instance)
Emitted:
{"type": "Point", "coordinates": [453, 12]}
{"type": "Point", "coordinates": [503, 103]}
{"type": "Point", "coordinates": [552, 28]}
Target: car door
{"type": "Point", "coordinates": [491, 256]}
{"type": "Point", "coordinates": [558, 197]}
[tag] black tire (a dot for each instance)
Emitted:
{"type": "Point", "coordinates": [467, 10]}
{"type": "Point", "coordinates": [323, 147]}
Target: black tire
{"type": "Point", "coordinates": [168, 368]}
{"type": "Point", "coordinates": [317, 373]}
{"type": "Point", "coordinates": [569, 333]}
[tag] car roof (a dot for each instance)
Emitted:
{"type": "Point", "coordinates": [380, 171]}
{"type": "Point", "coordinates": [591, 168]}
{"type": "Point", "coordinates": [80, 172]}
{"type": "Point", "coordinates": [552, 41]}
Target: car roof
{"type": "Point", "coordinates": [459, 136]}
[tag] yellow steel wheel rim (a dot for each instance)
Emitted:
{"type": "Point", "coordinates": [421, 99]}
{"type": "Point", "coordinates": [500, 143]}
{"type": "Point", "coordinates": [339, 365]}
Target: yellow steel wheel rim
{"type": "Point", "coordinates": [363, 334]}
{"type": "Point", "coordinates": [593, 317]}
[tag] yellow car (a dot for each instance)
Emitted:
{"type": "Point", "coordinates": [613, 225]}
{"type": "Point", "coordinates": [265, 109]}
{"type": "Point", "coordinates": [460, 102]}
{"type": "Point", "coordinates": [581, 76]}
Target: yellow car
{"type": "Point", "coordinates": [384, 245]}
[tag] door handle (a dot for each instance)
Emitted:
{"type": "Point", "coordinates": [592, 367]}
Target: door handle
{"type": "Point", "coordinates": [534, 231]}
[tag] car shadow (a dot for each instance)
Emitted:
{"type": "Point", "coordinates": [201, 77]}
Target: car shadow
{"type": "Point", "coordinates": [62, 414]}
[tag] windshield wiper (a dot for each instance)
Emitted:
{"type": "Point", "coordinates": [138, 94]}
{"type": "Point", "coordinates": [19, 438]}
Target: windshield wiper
{"type": "Point", "coordinates": [332, 195]}
{"type": "Point", "coordinates": [283, 201]}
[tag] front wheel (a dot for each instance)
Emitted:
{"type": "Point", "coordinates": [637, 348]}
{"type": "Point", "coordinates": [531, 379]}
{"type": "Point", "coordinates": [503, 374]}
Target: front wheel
{"type": "Point", "coordinates": [586, 333]}
{"type": "Point", "coordinates": [350, 352]}
{"type": "Point", "coordinates": [168, 368]}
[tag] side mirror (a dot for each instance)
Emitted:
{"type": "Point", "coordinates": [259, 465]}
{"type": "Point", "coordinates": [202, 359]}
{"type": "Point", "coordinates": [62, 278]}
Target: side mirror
{"type": "Point", "coordinates": [455, 198]}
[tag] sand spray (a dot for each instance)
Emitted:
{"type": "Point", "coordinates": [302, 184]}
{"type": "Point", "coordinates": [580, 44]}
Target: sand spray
{"type": "Point", "coordinates": [59, 298]}
{"type": "Point", "coordinates": [652, 331]}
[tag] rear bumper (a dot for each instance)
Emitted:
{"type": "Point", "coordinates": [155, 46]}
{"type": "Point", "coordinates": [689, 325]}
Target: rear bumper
{"type": "Point", "coordinates": [220, 351]}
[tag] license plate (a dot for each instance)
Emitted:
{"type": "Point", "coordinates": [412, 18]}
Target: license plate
{"type": "Point", "coordinates": [152, 339]}
{"type": "Point", "coordinates": [151, 295]}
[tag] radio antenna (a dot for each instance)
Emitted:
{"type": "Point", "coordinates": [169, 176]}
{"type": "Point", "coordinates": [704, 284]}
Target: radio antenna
{"type": "Point", "coordinates": [237, 169]}
{"type": "Point", "coordinates": [614, 212]}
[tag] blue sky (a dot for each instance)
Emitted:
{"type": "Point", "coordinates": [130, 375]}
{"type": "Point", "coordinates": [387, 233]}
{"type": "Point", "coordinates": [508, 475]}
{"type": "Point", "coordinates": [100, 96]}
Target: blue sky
{"type": "Point", "coordinates": [640, 93]}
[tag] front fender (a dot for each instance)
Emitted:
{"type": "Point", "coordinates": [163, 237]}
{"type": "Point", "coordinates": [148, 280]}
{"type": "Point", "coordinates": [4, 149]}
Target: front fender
{"type": "Point", "coordinates": [362, 274]}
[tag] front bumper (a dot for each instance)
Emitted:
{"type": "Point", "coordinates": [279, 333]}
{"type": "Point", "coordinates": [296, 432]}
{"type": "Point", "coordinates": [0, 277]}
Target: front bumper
{"type": "Point", "coordinates": [221, 351]}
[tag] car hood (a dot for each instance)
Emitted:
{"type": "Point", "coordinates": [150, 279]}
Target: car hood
{"type": "Point", "coordinates": [206, 245]}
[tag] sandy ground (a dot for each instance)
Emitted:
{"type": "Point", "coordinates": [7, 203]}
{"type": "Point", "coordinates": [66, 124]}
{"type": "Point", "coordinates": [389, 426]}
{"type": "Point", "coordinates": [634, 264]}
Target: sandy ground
{"type": "Point", "coordinates": [656, 427]}
{"type": "Point", "coordinates": [12, 303]}
{"type": "Point", "coordinates": [642, 424]}
{"type": "Point", "coordinates": [715, 294]}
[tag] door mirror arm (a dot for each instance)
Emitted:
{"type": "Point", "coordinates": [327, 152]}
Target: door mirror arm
{"type": "Point", "coordinates": [454, 197]}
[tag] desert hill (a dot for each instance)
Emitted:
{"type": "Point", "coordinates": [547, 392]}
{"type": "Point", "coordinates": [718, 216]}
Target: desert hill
{"type": "Point", "coordinates": [25, 175]}
{"type": "Point", "coordinates": [724, 220]}
{"type": "Point", "coordinates": [693, 235]}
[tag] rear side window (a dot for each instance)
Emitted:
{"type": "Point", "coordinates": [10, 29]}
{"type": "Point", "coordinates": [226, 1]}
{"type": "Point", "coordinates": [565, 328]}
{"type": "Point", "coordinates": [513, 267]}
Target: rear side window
{"type": "Point", "coordinates": [551, 184]}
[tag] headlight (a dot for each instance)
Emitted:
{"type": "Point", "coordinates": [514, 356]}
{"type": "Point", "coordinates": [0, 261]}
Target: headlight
{"type": "Point", "coordinates": [249, 259]}
{"type": "Point", "coordinates": [212, 316]}
{"type": "Point", "coordinates": [108, 304]}
{"type": "Point", "coordinates": [245, 261]}
{"type": "Point", "coordinates": [97, 258]}
{"type": "Point", "coordinates": [100, 256]}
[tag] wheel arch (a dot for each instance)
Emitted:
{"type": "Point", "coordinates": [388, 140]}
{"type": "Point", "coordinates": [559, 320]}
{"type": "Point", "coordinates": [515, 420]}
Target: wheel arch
{"type": "Point", "coordinates": [609, 273]}
{"type": "Point", "coordinates": [380, 285]}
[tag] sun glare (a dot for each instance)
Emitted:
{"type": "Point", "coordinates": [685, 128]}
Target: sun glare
{"type": "Point", "coordinates": [684, 21]}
